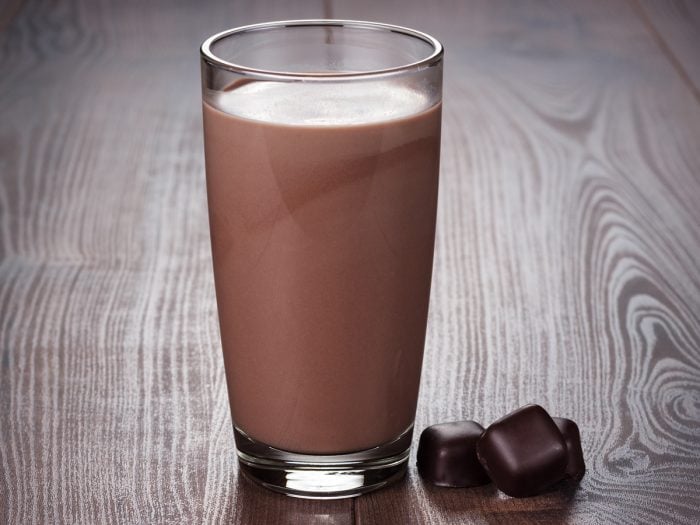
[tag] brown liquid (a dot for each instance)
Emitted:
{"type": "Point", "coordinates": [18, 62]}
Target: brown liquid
{"type": "Point", "coordinates": [322, 238]}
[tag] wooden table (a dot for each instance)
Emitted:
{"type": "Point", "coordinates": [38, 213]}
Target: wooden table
{"type": "Point", "coordinates": [567, 264]}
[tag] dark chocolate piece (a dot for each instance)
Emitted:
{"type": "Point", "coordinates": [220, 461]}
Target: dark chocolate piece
{"type": "Point", "coordinates": [447, 455]}
{"type": "Point", "coordinates": [524, 452]}
{"type": "Point", "coordinates": [575, 468]}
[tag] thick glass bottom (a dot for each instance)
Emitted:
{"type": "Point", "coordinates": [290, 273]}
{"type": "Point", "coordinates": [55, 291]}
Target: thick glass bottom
{"type": "Point", "coordinates": [327, 476]}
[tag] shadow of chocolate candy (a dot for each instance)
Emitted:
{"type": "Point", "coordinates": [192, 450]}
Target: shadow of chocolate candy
{"type": "Point", "coordinates": [575, 467]}
{"type": "Point", "coordinates": [524, 452]}
{"type": "Point", "coordinates": [447, 455]}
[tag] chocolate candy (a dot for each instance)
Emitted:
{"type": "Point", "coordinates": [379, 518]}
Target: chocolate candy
{"type": "Point", "coordinates": [575, 468]}
{"type": "Point", "coordinates": [447, 455]}
{"type": "Point", "coordinates": [524, 452]}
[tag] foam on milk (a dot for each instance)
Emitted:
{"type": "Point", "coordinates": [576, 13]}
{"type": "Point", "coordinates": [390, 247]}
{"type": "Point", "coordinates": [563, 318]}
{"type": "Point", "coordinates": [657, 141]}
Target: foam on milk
{"type": "Point", "coordinates": [320, 103]}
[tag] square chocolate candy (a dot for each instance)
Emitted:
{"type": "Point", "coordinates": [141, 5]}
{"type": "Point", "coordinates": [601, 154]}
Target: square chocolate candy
{"type": "Point", "coordinates": [523, 452]}
{"type": "Point", "coordinates": [447, 455]}
{"type": "Point", "coordinates": [575, 468]}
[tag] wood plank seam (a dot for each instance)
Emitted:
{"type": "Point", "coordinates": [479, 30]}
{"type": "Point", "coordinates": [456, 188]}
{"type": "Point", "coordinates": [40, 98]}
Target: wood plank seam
{"type": "Point", "coordinates": [665, 48]}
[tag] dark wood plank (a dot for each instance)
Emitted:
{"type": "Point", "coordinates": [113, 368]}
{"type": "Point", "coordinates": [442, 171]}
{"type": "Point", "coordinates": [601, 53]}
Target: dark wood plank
{"type": "Point", "coordinates": [566, 268]}
{"type": "Point", "coordinates": [113, 406]}
{"type": "Point", "coordinates": [676, 26]}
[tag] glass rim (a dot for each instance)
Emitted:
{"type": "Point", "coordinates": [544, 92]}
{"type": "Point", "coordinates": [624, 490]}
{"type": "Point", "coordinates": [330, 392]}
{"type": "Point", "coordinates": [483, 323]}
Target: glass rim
{"type": "Point", "coordinates": [211, 59]}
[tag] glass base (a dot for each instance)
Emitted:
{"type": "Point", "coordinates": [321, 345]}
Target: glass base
{"type": "Point", "coordinates": [331, 476]}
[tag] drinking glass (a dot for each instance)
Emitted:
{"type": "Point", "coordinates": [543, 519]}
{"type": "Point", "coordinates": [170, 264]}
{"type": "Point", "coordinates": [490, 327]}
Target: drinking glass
{"type": "Point", "coordinates": [322, 148]}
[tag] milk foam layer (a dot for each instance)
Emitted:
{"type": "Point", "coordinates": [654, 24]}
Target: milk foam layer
{"type": "Point", "coordinates": [321, 103]}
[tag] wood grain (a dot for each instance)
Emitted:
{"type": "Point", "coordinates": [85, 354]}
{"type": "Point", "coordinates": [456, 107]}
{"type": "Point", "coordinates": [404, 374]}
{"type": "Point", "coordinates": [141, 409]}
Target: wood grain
{"type": "Point", "coordinates": [113, 406]}
{"type": "Point", "coordinates": [676, 26]}
{"type": "Point", "coordinates": [566, 266]}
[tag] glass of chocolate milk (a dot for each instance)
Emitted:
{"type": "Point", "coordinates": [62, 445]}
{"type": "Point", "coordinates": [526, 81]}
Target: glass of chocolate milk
{"type": "Point", "coordinates": [322, 145]}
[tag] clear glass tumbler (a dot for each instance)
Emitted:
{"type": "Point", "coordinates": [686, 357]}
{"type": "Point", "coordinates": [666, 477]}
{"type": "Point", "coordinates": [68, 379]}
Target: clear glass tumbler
{"type": "Point", "coordinates": [322, 146]}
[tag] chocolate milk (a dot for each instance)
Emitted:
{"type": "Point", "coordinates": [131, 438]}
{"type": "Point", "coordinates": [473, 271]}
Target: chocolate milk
{"type": "Point", "coordinates": [322, 216]}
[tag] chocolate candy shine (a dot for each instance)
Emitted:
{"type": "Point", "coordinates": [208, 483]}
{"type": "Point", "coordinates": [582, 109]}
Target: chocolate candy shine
{"type": "Point", "coordinates": [524, 452]}
{"type": "Point", "coordinates": [447, 455]}
{"type": "Point", "coordinates": [575, 468]}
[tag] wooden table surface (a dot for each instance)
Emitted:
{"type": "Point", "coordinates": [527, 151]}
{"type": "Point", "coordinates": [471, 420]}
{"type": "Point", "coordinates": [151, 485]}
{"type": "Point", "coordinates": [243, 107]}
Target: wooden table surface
{"type": "Point", "coordinates": [567, 263]}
